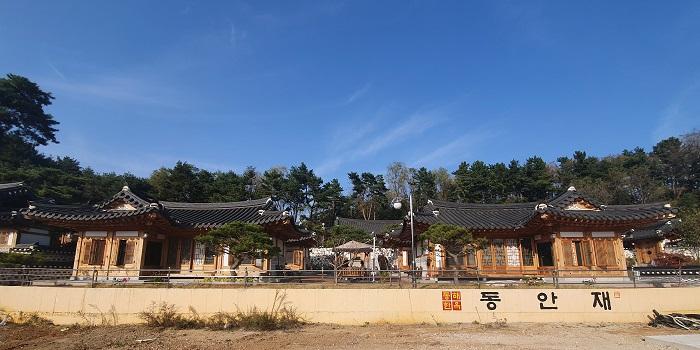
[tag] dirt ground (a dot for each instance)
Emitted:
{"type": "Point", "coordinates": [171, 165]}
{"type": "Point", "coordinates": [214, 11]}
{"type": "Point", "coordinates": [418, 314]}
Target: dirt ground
{"type": "Point", "coordinates": [466, 336]}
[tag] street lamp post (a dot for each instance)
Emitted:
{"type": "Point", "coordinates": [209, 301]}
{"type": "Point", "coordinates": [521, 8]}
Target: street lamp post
{"type": "Point", "coordinates": [374, 255]}
{"type": "Point", "coordinates": [397, 205]}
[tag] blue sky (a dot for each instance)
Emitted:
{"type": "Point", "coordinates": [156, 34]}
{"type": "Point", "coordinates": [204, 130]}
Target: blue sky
{"type": "Point", "coordinates": [355, 85]}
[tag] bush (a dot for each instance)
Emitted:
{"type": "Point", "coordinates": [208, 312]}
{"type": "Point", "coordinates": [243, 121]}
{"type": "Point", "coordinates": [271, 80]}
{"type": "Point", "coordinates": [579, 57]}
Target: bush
{"type": "Point", "coordinates": [165, 315]}
{"type": "Point", "coordinates": [23, 318]}
{"type": "Point", "coordinates": [19, 260]}
{"type": "Point", "coordinates": [672, 260]}
{"type": "Point", "coordinates": [280, 316]}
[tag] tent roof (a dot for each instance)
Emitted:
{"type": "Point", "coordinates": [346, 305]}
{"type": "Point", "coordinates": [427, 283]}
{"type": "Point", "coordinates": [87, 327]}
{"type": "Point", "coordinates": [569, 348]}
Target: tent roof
{"type": "Point", "coordinates": [353, 246]}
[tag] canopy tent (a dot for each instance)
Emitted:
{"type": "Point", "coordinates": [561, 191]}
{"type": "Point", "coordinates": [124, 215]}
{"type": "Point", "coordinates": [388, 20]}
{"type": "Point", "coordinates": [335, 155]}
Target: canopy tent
{"type": "Point", "coordinates": [353, 247]}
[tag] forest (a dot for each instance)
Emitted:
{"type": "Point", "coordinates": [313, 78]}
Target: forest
{"type": "Point", "coordinates": [667, 172]}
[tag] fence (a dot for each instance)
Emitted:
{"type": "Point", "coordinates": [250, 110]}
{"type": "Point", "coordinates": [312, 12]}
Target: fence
{"type": "Point", "coordinates": [475, 278]}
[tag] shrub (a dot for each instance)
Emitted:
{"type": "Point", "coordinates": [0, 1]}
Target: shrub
{"type": "Point", "coordinates": [283, 318]}
{"type": "Point", "coordinates": [165, 315]}
{"type": "Point", "coordinates": [23, 318]}
{"type": "Point", "coordinates": [672, 260]}
{"type": "Point", "coordinates": [280, 316]}
{"type": "Point", "coordinates": [19, 260]}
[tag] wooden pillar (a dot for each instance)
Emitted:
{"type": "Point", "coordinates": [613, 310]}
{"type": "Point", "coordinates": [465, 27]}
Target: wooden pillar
{"type": "Point", "coordinates": [78, 253]}
{"type": "Point", "coordinates": [139, 252]}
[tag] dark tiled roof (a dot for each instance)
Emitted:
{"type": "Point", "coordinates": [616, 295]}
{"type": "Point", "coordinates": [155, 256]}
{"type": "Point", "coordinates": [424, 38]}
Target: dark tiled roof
{"type": "Point", "coordinates": [126, 196]}
{"type": "Point", "coordinates": [519, 215]}
{"type": "Point", "coordinates": [208, 215]}
{"type": "Point", "coordinates": [80, 213]}
{"type": "Point", "coordinates": [13, 194]}
{"type": "Point", "coordinates": [192, 215]}
{"type": "Point", "coordinates": [6, 217]}
{"type": "Point", "coordinates": [614, 213]}
{"type": "Point", "coordinates": [369, 226]}
{"type": "Point", "coordinates": [477, 216]}
{"type": "Point", "coordinates": [569, 197]}
{"type": "Point", "coordinates": [11, 186]}
{"type": "Point", "coordinates": [657, 231]}
{"type": "Point", "coordinates": [305, 240]}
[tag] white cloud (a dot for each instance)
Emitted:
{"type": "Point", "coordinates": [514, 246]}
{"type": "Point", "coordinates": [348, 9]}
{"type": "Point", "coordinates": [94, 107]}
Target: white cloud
{"type": "Point", "coordinates": [372, 137]}
{"type": "Point", "coordinates": [414, 125]}
{"type": "Point", "coordinates": [357, 94]}
{"type": "Point", "coordinates": [680, 115]}
{"type": "Point", "coordinates": [118, 88]}
{"type": "Point", "coordinates": [55, 70]}
{"type": "Point", "coordinates": [459, 148]}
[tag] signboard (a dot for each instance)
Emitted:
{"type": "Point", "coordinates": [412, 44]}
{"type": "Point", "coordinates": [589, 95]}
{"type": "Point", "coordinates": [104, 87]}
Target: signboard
{"type": "Point", "coordinates": [451, 300]}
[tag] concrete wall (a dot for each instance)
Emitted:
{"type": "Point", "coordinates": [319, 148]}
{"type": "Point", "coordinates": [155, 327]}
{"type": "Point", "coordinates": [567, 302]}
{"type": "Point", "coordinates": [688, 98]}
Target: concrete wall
{"type": "Point", "coordinates": [357, 306]}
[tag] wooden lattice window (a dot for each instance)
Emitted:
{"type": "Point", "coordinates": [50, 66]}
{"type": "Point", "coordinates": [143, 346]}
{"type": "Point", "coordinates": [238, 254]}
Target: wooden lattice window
{"type": "Point", "coordinates": [605, 252]}
{"type": "Point", "coordinates": [121, 252]}
{"type": "Point", "coordinates": [298, 258]}
{"type": "Point", "coordinates": [97, 252]}
{"type": "Point", "coordinates": [87, 246]}
{"type": "Point", "coordinates": [526, 251]}
{"type": "Point", "coordinates": [583, 253]}
{"type": "Point", "coordinates": [129, 253]}
{"type": "Point", "coordinates": [499, 251]}
{"type": "Point", "coordinates": [487, 256]}
{"type": "Point", "coordinates": [470, 257]}
{"type": "Point", "coordinates": [567, 251]}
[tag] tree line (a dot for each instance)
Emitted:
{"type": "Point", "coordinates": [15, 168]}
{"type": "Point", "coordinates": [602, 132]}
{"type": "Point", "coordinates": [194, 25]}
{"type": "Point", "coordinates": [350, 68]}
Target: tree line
{"type": "Point", "coordinates": [668, 172]}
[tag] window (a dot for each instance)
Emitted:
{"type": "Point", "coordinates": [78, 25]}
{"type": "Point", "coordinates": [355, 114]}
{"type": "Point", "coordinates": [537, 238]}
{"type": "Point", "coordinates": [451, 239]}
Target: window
{"type": "Point", "coordinates": [452, 260]}
{"type": "Point", "coordinates": [499, 250]}
{"type": "Point", "coordinates": [604, 252]}
{"type": "Point", "coordinates": [199, 250]}
{"type": "Point", "coordinates": [460, 260]}
{"type": "Point", "coordinates": [526, 250]}
{"type": "Point", "coordinates": [567, 252]}
{"type": "Point", "coordinates": [583, 253]}
{"type": "Point", "coordinates": [129, 253]}
{"type": "Point", "coordinates": [544, 252]}
{"type": "Point", "coordinates": [470, 258]}
{"type": "Point", "coordinates": [487, 256]}
{"type": "Point", "coordinates": [513, 252]}
{"type": "Point", "coordinates": [121, 252]}
{"type": "Point", "coordinates": [97, 252]}
{"type": "Point", "coordinates": [298, 257]}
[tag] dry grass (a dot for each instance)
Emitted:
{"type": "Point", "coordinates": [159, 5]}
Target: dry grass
{"type": "Point", "coordinates": [280, 316]}
{"type": "Point", "coordinates": [23, 318]}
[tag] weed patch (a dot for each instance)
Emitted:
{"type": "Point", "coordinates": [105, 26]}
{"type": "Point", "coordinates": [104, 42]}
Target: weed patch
{"type": "Point", "coordinates": [279, 316]}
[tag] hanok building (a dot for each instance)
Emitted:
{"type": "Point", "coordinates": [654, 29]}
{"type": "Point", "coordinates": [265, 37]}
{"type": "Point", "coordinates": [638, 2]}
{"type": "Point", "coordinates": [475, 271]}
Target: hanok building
{"type": "Point", "coordinates": [128, 236]}
{"type": "Point", "coordinates": [14, 229]}
{"type": "Point", "coordinates": [571, 233]}
{"type": "Point", "coordinates": [646, 243]}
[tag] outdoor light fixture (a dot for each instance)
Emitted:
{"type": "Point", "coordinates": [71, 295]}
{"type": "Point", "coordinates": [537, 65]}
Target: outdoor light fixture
{"type": "Point", "coordinates": [145, 235]}
{"type": "Point", "coordinates": [396, 203]}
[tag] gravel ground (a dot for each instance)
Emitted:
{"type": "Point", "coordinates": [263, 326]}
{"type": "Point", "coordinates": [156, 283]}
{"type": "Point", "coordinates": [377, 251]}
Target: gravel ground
{"type": "Point", "coordinates": [382, 336]}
